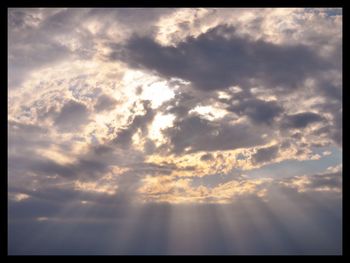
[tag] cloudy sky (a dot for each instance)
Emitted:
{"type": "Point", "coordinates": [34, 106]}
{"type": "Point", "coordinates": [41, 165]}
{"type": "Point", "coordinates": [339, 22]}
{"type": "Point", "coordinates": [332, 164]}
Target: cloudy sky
{"type": "Point", "coordinates": [175, 131]}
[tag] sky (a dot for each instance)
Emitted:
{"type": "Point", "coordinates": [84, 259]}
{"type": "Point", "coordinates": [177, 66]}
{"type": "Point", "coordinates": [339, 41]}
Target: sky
{"type": "Point", "coordinates": [164, 131]}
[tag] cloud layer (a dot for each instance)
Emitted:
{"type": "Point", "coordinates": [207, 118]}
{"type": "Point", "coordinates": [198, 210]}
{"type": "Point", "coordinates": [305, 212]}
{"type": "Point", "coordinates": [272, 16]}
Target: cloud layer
{"type": "Point", "coordinates": [139, 114]}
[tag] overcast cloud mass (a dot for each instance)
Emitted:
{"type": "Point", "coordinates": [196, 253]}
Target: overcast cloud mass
{"type": "Point", "coordinates": [175, 131]}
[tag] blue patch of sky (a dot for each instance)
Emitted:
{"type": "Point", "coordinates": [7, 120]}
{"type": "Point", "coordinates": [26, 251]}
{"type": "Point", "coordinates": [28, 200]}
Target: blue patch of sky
{"type": "Point", "coordinates": [330, 12]}
{"type": "Point", "coordinates": [290, 168]}
{"type": "Point", "coordinates": [334, 11]}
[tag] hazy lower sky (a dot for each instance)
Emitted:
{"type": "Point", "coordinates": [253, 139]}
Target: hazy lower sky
{"type": "Point", "coordinates": [174, 131]}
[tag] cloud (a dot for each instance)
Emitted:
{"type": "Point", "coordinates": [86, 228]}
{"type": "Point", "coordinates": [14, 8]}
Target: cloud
{"type": "Point", "coordinates": [326, 181]}
{"type": "Point", "coordinates": [82, 168]}
{"type": "Point", "coordinates": [72, 116]}
{"type": "Point", "coordinates": [265, 154]}
{"type": "Point", "coordinates": [199, 134]}
{"type": "Point", "coordinates": [233, 187]}
{"type": "Point", "coordinates": [163, 168]}
{"type": "Point", "coordinates": [207, 157]}
{"type": "Point", "coordinates": [22, 129]}
{"type": "Point", "coordinates": [149, 147]}
{"type": "Point", "coordinates": [323, 182]}
{"type": "Point", "coordinates": [181, 104]}
{"type": "Point", "coordinates": [219, 58]}
{"type": "Point", "coordinates": [140, 122]}
{"type": "Point", "coordinates": [301, 120]}
{"type": "Point", "coordinates": [141, 19]}
{"type": "Point", "coordinates": [23, 138]}
{"type": "Point", "coordinates": [104, 103]}
{"type": "Point", "coordinates": [259, 111]}
{"type": "Point", "coordinates": [331, 91]}
{"type": "Point", "coordinates": [337, 131]}
{"type": "Point", "coordinates": [25, 31]}
{"type": "Point", "coordinates": [21, 18]}
{"type": "Point", "coordinates": [49, 167]}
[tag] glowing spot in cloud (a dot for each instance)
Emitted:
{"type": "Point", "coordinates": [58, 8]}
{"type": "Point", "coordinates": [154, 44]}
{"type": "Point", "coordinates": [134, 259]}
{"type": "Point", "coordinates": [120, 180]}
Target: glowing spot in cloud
{"type": "Point", "coordinates": [336, 168]}
{"type": "Point", "coordinates": [95, 187]}
{"type": "Point", "coordinates": [157, 93]}
{"type": "Point", "coordinates": [209, 112]}
{"type": "Point", "coordinates": [326, 153]}
{"type": "Point", "coordinates": [42, 218]}
{"type": "Point", "coordinates": [223, 95]}
{"type": "Point", "coordinates": [237, 89]}
{"type": "Point", "coordinates": [316, 157]}
{"type": "Point", "coordinates": [93, 26]}
{"type": "Point", "coordinates": [160, 122]}
{"type": "Point", "coordinates": [19, 197]}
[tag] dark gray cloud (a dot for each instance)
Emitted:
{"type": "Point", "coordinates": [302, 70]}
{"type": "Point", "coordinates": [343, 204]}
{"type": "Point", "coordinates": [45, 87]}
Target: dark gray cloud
{"type": "Point", "coordinates": [149, 147]}
{"type": "Point", "coordinates": [207, 157]}
{"type": "Point", "coordinates": [259, 111]}
{"type": "Point", "coordinates": [49, 201]}
{"type": "Point", "coordinates": [105, 102]}
{"type": "Point", "coordinates": [337, 128]}
{"type": "Point", "coordinates": [83, 168]}
{"type": "Point", "coordinates": [101, 150]}
{"type": "Point", "coordinates": [332, 105]}
{"type": "Point", "coordinates": [265, 154]}
{"type": "Point", "coordinates": [91, 168]}
{"type": "Point", "coordinates": [331, 180]}
{"type": "Point", "coordinates": [331, 91]}
{"type": "Point", "coordinates": [140, 122]}
{"type": "Point", "coordinates": [22, 18]}
{"type": "Point", "coordinates": [202, 135]}
{"type": "Point", "coordinates": [219, 58]}
{"type": "Point", "coordinates": [147, 168]}
{"type": "Point", "coordinates": [72, 116]}
{"type": "Point", "coordinates": [51, 168]}
{"type": "Point", "coordinates": [301, 120]}
{"type": "Point", "coordinates": [181, 104]}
